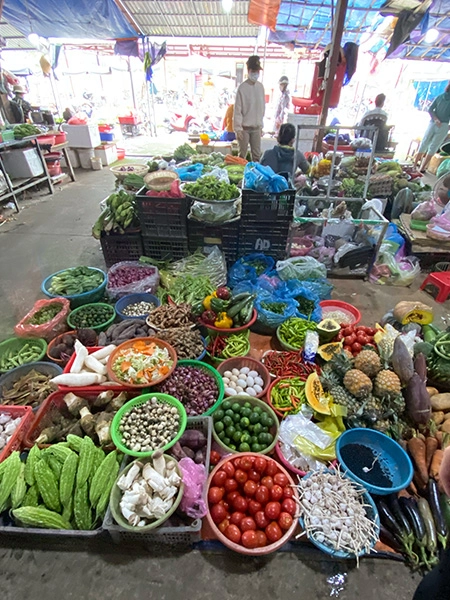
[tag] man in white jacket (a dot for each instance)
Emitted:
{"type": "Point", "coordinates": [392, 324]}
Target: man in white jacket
{"type": "Point", "coordinates": [249, 111]}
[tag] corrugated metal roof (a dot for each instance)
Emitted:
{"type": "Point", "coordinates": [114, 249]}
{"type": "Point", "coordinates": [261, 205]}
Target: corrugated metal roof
{"type": "Point", "coordinates": [14, 39]}
{"type": "Point", "coordinates": [191, 18]}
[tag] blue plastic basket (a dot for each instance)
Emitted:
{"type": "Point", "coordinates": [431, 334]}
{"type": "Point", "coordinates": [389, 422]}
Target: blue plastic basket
{"type": "Point", "coordinates": [133, 299]}
{"type": "Point", "coordinates": [392, 457]}
{"type": "Point", "coordinates": [78, 299]}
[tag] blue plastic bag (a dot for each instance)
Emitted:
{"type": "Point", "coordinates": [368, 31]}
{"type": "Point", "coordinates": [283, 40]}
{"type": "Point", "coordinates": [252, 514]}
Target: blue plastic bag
{"type": "Point", "coordinates": [294, 289]}
{"type": "Point", "coordinates": [245, 268]}
{"type": "Point", "coordinates": [191, 173]}
{"type": "Point", "coordinates": [263, 179]}
{"type": "Point", "coordinates": [320, 287]}
{"type": "Point", "coordinates": [269, 320]}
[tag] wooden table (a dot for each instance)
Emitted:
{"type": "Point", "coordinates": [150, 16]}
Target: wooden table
{"type": "Point", "coordinates": [420, 242]}
{"type": "Point", "coordinates": [64, 149]}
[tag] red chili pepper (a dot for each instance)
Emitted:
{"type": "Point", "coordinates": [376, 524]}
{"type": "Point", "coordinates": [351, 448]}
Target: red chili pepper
{"type": "Point", "coordinates": [284, 364]}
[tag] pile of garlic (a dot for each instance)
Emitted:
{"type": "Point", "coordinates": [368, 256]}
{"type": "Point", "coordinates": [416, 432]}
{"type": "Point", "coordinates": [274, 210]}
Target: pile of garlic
{"type": "Point", "coordinates": [8, 426]}
{"type": "Point", "coordinates": [242, 381]}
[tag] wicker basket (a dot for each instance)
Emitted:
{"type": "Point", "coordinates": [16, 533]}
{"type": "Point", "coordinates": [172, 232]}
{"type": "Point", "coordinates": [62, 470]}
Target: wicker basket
{"type": "Point", "coordinates": [139, 170]}
{"type": "Point", "coordinates": [160, 181]}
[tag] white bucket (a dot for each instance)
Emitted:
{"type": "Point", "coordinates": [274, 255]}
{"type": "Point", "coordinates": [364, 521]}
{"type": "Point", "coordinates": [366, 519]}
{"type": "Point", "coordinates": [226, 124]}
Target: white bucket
{"type": "Point", "coordinates": [96, 163]}
{"type": "Point", "coordinates": [85, 155]}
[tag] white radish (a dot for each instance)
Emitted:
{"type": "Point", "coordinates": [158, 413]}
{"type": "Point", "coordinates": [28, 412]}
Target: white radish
{"type": "Point", "coordinates": [81, 353]}
{"type": "Point", "coordinates": [103, 352]}
{"type": "Point", "coordinates": [77, 379]}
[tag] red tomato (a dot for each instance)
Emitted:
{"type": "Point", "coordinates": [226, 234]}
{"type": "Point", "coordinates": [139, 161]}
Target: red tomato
{"type": "Point", "coordinates": [215, 494]}
{"type": "Point", "coordinates": [232, 533]}
{"type": "Point", "coordinates": [232, 495]}
{"type": "Point", "coordinates": [285, 521]}
{"type": "Point", "coordinates": [250, 488]}
{"type": "Point", "coordinates": [272, 510]}
{"type": "Point", "coordinates": [246, 463]}
{"type": "Point", "coordinates": [240, 504]}
{"type": "Point", "coordinates": [289, 506]}
{"type": "Point", "coordinates": [356, 347]}
{"type": "Point", "coordinates": [219, 478]}
{"type": "Point", "coordinates": [288, 492]}
{"type": "Point", "coordinates": [339, 336]}
{"type": "Point", "coordinates": [350, 339]}
{"type": "Point", "coordinates": [249, 539]}
{"type": "Point", "coordinates": [254, 475]}
{"type": "Point", "coordinates": [348, 348]}
{"type": "Point", "coordinates": [236, 517]}
{"type": "Point", "coordinates": [260, 464]}
{"type": "Point", "coordinates": [267, 482]}
{"type": "Point", "coordinates": [276, 493]}
{"type": "Point", "coordinates": [349, 330]}
{"type": "Point", "coordinates": [281, 479]}
{"type": "Point", "coordinates": [229, 469]}
{"type": "Point", "coordinates": [247, 524]}
{"type": "Point", "coordinates": [273, 532]}
{"type": "Point", "coordinates": [362, 339]}
{"type": "Point", "coordinates": [262, 494]}
{"type": "Point", "coordinates": [272, 468]}
{"type": "Point", "coordinates": [261, 520]}
{"type": "Point", "coordinates": [371, 331]}
{"type": "Point", "coordinates": [254, 507]}
{"type": "Point", "coordinates": [231, 485]}
{"type": "Point", "coordinates": [241, 476]}
{"type": "Point", "coordinates": [218, 513]}
{"type": "Point", "coordinates": [223, 525]}
{"type": "Point", "coordinates": [214, 457]}
{"type": "Point", "coordinates": [261, 538]}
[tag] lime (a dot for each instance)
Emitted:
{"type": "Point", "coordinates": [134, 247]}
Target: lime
{"type": "Point", "coordinates": [237, 436]}
{"type": "Point", "coordinates": [269, 422]}
{"type": "Point", "coordinates": [226, 405]}
{"type": "Point", "coordinates": [254, 417]}
{"type": "Point", "coordinates": [222, 435]}
{"type": "Point", "coordinates": [253, 439]}
{"type": "Point", "coordinates": [230, 431]}
{"type": "Point", "coordinates": [227, 421]}
{"type": "Point", "coordinates": [257, 409]}
{"type": "Point", "coordinates": [257, 448]}
{"type": "Point", "coordinates": [232, 446]}
{"type": "Point", "coordinates": [236, 417]}
{"type": "Point", "coordinates": [246, 412]}
{"type": "Point", "coordinates": [244, 422]}
{"type": "Point", "coordinates": [229, 413]}
{"type": "Point", "coordinates": [236, 407]}
{"type": "Point", "coordinates": [247, 405]}
{"type": "Point", "coordinates": [257, 428]}
{"type": "Point", "coordinates": [218, 415]}
{"type": "Point", "coordinates": [219, 426]}
{"type": "Point", "coordinates": [244, 447]}
{"type": "Point", "coordinates": [245, 438]}
{"type": "Point", "coordinates": [226, 441]}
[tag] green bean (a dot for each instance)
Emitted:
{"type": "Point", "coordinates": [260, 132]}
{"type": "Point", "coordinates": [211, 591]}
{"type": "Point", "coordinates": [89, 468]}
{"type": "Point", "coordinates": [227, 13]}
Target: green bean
{"type": "Point", "coordinates": [237, 345]}
{"type": "Point", "coordinates": [288, 395]}
{"type": "Point", "coordinates": [293, 331]}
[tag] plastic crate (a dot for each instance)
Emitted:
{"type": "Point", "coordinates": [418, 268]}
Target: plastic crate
{"type": "Point", "coordinates": [180, 537]}
{"type": "Point", "coordinates": [16, 440]}
{"type": "Point", "coordinates": [162, 217]}
{"type": "Point", "coordinates": [260, 207]}
{"type": "Point", "coordinates": [130, 120]}
{"type": "Point", "coordinates": [204, 236]}
{"type": "Point", "coordinates": [117, 247]}
{"type": "Point", "coordinates": [162, 248]}
{"type": "Point", "coordinates": [269, 239]}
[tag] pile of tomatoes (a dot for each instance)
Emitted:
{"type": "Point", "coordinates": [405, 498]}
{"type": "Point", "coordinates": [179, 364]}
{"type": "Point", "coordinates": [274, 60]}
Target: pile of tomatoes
{"type": "Point", "coordinates": [251, 501]}
{"type": "Point", "coordinates": [356, 337]}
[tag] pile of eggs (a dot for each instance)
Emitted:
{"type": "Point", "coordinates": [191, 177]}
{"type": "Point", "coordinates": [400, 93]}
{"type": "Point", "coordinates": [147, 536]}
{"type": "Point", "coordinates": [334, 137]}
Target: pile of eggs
{"type": "Point", "coordinates": [242, 381]}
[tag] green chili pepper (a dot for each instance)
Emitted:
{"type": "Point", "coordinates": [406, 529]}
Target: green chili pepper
{"type": "Point", "coordinates": [288, 395]}
{"type": "Point", "coordinates": [293, 331]}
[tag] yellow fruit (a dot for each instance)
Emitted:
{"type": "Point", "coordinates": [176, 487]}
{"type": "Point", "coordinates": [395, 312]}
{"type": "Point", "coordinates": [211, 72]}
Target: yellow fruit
{"type": "Point", "coordinates": [368, 362]}
{"type": "Point", "coordinates": [387, 384]}
{"type": "Point", "coordinates": [316, 397]}
{"type": "Point", "coordinates": [357, 383]}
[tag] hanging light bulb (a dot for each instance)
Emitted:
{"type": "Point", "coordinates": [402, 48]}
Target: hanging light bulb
{"type": "Point", "coordinates": [431, 36]}
{"type": "Point", "coordinates": [33, 38]}
{"type": "Point", "coordinates": [227, 5]}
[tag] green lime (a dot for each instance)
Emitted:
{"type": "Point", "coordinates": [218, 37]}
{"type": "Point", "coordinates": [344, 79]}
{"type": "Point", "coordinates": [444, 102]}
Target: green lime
{"type": "Point", "coordinates": [230, 431]}
{"type": "Point", "coordinates": [246, 412]}
{"type": "Point", "coordinates": [218, 415]}
{"type": "Point", "coordinates": [257, 428]}
{"type": "Point", "coordinates": [222, 435]}
{"type": "Point", "coordinates": [254, 417]}
{"type": "Point", "coordinates": [238, 426]}
{"type": "Point", "coordinates": [227, 421]}
{"type": "Point", "coordinates": [257, 409]}
{"type": "Point", "coordinates": [265, 429]}
{"type": "Point", "coordinates": [232, 446]}
{"type": "Point", "coordinates": [247, 405]}
{"type": "Point", "coordinates": [244, 422]}
{"type": "Point", "coordinates": [264, 418]}
{"type": "Point", "coordinates": [229, 413]}
{"type": "Point", "coordinates": [219, 426]}
{"type": "Point", "coordinates": [236, 417]}
{"type": "Point", "coordinates": [226, 441]}
{"type": "Point", "coordinates": [269, 422]}
{"type": "Point", "coordinates": [245, 438]}
{"type": "Point", "coordinates": [244, 447]}
{"type": "Point", "coordinates": [236, 407]}
{"type": "Point", "coordinates": [253, 439]}
{"type": "Point", "coordinates": [226, 405]}
{"type": "Point", "coordinates": [257, 448]}
{"type": "Point", "coordinates": [237, 436]}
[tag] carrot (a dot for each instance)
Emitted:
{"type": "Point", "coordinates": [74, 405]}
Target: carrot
{"type": "Point", "coordinates": [439, 436]}
{"type": "Point", "coordinates": [164, 370]}
{"type": "Point", "coordinates": [444, 472]}
{"type": "Point", "coordinates": [125, 366]}
{"type": "Point", "coordinates": [234, 160]}
{"type": "Point", "coordinates": [436, 464]}
{"type": "Point", "coordinates": [419, 483]}
{"type": "Point", "coordinates": [417, 450]}
{"type": "Point", "coordinates": [431, 445]}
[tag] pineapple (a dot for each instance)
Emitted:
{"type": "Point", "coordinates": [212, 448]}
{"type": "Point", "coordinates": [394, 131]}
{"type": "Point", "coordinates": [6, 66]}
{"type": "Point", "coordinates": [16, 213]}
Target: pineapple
{"type": "Point", "coordinates": [387, 384]}
{"type": "Point", "coordinates": [368, 362]}
{"type": "Point", "coordinates": [357, 383]}
{"type": "Point", "coordinates": [331, 384]}
{"type": "Point", "coordinates": [341, 363]}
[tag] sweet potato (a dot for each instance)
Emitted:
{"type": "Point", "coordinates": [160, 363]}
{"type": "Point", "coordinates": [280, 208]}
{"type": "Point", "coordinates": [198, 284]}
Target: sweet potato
{"type": "Point", "coordinates": [432, 391]}
{"type": "Point", "coordinates": [441, 402]}
{"type": "Point", "coordinates": [444, 471]}
{"type": "Point", "coordinates": [417, 450]}
{"type": "Point", "coordinates": [445, 427]}
{"type": "Point", "coordinates": [431, 447]}
{"type": "Point", "coordinates": [436, 464]}
{"type": "Point", "coordinates": [438, 417]}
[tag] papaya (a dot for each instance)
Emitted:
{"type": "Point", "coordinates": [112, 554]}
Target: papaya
{"type": "Point", "coordinates": [328, 351]}
{"type": "Point", "coordinates": [327, 330]}
{"type": "Point", "coordinates": [413, 312]}
{"type": "Point", "coordinates": [316, 397]}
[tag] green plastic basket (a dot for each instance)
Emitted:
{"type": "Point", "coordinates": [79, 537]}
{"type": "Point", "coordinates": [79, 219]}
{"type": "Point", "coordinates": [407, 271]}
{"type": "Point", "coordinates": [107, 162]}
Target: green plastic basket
{"type": "Point", "coordinates": [13, 345]}
{"type": "Point", "coordinates": [242, 399]}
{"type": "Point", "coordinates": [116, 495]}
{"type": "Point", "coordinates": [164, 399]}
{"type": "Point", "coordinates": [103, 326]}
{"type": "Point", "coordinates": [214, 373]}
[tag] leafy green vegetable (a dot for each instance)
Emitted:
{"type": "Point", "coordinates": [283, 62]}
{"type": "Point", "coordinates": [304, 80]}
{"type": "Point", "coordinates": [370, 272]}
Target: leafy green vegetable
{"type": "Point", "coordinates": [189, 289]}
{"type": "Point", "coordinates": [210, 188]}
{"type": "Point", "coordinates": [134, 181]}
{"type": "Point", "coordinates": [184, 152]}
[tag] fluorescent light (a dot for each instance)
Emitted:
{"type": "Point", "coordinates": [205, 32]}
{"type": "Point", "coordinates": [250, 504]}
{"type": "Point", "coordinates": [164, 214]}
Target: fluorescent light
{"type": "Point", "coordinates": [227, 5]}
{"type": "Point", "coordinates": [431, 36]}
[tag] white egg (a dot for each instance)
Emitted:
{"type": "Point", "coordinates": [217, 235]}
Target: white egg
{"type": "Point", "coordinates": [250, 381]}
{"type": "Point", "coordinates": [235, 371]}
{"type": "Point", "coordinates": [226, 380]}
{"type": "Point", "coordinates": [244, 393]}
{"type": "Point", "coordinates": [227, 374]}
{"type": "Point", "coordinates": [253, 374]}
{"type": "Point", "coordinates": [232, 384]}
{"type": "Point", "coordinates": [258, 389]}
{"type": "Point", "coordinates": [239, 390]}
{"type": "Point", "coordinates": [242, 383]}
{"type": "Point", "coordinates": [230, 392]}
{"type": "Point", "coordinates": [245, 370]}
{"type": "Point", "coordinates": [259, 381]}
{"type": "Point", "coordinates": [250, 391]}
{"type": "Point", "coordinates": [234, 378]}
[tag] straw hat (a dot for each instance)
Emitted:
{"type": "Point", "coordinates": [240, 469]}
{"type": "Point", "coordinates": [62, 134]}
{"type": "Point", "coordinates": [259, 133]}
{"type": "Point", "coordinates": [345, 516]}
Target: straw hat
{"type": "Point", "coordinates": [18, 89]}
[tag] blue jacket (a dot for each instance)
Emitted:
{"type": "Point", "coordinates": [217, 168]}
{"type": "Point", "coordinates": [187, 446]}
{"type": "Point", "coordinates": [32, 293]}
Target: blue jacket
{"type": "Point", "coordinates": [281, 159]}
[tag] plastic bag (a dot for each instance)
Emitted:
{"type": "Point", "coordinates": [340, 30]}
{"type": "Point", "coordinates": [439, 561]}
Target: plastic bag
{"type": "Point", "coordinates": [443, 168]}
{"type": "Point", "coordinates": [220, 174]}
{"type": "Point", "coordinates": [190, 173]}
{"type": "Point", "coordinates": [263, 179]}
{"type": "Point", "coordinates": [145, 279]}
{"type": "Point", "coordinates": [295, 289]}
{"type": "Point", "coordinates": [393, 270]}
{"type": "Point", "coordinates": [333, 427]}
{"type": "Point", "coordinates": [270, 320]}
{"type": "Point", "coordinates": [48, 330]}
{"type": "Point", "coordinates": [301, 267]}
{"type": "Point", "coordinates": [213, 213]}
{"type": "Point", "coordinates": [249, 268]}
{"type": "Point", "coordinates": [194, 479]}
{"type": "Point", "coordinates": [213, 265]}
{"type": "Point", "coordinates": [320, 287]}
{"type": "Point", "coordinates": [424, 211]}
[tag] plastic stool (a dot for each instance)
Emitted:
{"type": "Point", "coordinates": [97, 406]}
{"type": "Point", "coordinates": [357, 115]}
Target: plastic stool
{"type": "Point", "coordinates": [442, 282]}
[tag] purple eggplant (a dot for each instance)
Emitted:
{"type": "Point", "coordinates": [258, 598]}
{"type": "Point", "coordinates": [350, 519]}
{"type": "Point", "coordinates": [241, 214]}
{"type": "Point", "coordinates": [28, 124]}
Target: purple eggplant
{"type": "Point", "coordinates": [418, 403]}
{"type": "Point", "coordinates": [420, 366]}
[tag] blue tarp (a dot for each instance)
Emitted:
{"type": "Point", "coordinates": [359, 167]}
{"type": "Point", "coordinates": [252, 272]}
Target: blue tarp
{"type": "Point", "coordinates": [94, 19]}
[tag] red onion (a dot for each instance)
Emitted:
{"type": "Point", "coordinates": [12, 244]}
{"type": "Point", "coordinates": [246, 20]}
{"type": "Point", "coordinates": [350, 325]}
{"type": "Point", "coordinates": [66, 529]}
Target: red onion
{"type": "Point", "coordinates": [193, 387]}
{"type": "Point", "coordinates": [125, 275]}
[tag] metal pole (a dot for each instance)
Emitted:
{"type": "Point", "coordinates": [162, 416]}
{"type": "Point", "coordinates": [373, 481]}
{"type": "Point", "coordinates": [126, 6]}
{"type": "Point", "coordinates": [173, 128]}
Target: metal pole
{"type": "Point", "coordinates": [265, 51]}
{"type": "Point", "coordinates": [332, 62]}
{"type": "Point", "coordinates": [132, 84]}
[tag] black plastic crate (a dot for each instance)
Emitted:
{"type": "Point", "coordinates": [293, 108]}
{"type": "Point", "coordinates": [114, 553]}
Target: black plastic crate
{"type": "Point", "coordinates": [117, 247]}
{"type": "Point", "coordinates": [168, 248]}
{"type": "Point", "coordinates": [162, 217]}
{"type": "Point", "coordinates": [205, 235]}
{"type": "Point", "coordinates": [259, 207]}
{"type": "Point", "coordinates": [271, 240]}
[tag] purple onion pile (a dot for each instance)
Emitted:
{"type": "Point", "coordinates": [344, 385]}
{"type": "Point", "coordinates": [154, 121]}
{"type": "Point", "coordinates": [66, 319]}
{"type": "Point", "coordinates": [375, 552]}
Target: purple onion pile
{"type": "Point", "coordinates": [193, 387]}
{"type": "Point", "coordinates": [127, 274]}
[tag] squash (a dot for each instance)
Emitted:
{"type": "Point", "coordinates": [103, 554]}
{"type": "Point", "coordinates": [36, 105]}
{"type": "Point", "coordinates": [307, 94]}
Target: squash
{"type": "Point", "coordinates": [316, 397]}
{"type": "Point", "coordinates": [328, 351]}
{"type": "Point", "coordinates": [413, 312]}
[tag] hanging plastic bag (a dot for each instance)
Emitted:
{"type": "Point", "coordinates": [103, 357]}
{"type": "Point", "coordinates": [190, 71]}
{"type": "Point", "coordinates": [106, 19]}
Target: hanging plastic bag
{"type": "Point", "coordinates": [131, 277]}
{"type": "Point", "coordinates": [194, 480]}
{"type": "Point", "coordinates": [301, 267]}
{"type": "Point", "coordinates": [270, 320]}
{"type": "Point", "coordinates": [249, 268]}
{"type": "Point", "coordinates": [49, 330]}
{"type": "Point", "coordinates": [263, 179]}
{"type": "Point", "coordinates": [190, 173]}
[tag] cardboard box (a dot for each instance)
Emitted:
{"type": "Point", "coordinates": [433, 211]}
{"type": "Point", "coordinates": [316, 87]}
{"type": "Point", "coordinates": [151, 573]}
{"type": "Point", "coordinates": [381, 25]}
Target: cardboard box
{"type": "Point", "coordinates": [22, 163]}
{"type": "Point", "coordinates": [107, 152]}
{"type": "Point", "coordinates": [435, 162]}
{"type": "Point", "coordinates": [82, 136]}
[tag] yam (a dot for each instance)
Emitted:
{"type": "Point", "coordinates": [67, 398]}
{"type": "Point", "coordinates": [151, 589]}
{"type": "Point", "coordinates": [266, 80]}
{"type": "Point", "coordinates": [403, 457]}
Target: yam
{"type": "Point", "coordinates": [441, 402]}
{"type": "Point", "coordinates": [445, 427]}
{"type": "Point", "coordinates": [432, 391]}
{"type": "Point", "coordinates": [446, 416]}
{"type": "Point", "coordinates": [438, 417]}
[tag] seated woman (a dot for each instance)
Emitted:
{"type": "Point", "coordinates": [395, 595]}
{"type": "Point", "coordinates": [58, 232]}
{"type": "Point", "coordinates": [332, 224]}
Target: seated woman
{"type": "Point", "coordinates": [281, 157]}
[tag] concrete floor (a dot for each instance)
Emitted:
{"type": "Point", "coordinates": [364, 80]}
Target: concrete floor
{"type": "Point", "coordinates": [54, 232]}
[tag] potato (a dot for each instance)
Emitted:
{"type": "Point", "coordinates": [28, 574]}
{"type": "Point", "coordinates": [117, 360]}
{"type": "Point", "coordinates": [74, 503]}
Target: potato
{"type": "Point", "coordinates": [432, 391]}
{"type": "Point", "coordinates": [446, 416]}
{"type": "Point", "coordinates": [445, 427]}
{"type": "Point", "coordinates": [438, 417]}
{"type": "Point", "coordinates": [441, 402]}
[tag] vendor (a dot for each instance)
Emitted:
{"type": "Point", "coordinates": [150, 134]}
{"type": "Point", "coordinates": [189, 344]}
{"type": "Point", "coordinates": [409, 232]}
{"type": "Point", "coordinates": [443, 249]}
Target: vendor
{"type": "Point", "coordinates": [377, 111]}
{"type": "Point", "coordinates": [20, 108]}
{"type": "Point", "coordinates": [281, 157]}
{"type": "Point", "coordinates": [436, 131]}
